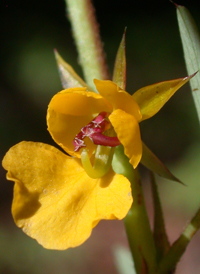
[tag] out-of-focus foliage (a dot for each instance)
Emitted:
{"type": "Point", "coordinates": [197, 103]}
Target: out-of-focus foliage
{"type": "Point", "coordinates": [191, 46]}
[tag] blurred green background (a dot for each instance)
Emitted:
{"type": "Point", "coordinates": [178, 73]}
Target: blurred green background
{"type": "Point", "coordinates": [30, 30]}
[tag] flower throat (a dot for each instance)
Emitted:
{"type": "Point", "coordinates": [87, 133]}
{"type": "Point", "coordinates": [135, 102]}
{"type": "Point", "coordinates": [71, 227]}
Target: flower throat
{"type": "Point", "coordinates": [105, 145]}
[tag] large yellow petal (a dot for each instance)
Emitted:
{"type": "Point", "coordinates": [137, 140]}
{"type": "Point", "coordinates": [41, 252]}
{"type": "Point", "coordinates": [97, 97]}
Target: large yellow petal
{"type": "Point", "coordinates": [152, 98]}
{"type": "Point", "coordinates": [69, 111]}
{"type": "Point", "coordinates": [119, 98]}
{"type": "Point", "coordinates": [128, 133]}
{"type": "Point", "coordinates": [55, 202]}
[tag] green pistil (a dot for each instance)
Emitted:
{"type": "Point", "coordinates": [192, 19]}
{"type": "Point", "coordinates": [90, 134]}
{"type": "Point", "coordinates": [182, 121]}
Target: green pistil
{"type": "Point", "coordinates": [102, 161]}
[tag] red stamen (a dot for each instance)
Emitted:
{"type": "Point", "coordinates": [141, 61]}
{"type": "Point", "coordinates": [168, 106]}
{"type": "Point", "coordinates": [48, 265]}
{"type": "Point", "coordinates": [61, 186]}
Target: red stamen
{"type": "Point", "coordinates": [78, 143]}
{"type": "Point", "coordinates": [100, 139]}
{"type": "Point", "coordinates": [94, 131]}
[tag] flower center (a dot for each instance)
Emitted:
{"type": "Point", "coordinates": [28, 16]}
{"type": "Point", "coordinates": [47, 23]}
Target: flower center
{"type": "Point", "coordinates": [94, 130]}
{"type": "Point", "coordinates": [97, 130]}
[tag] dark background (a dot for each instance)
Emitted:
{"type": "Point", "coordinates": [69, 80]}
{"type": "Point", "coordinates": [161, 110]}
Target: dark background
{"type": "Point", "coordinates": [29, 32]}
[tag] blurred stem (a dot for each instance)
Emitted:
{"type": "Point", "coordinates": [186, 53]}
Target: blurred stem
{"type": "Point", "coordinates": [136, 222]}
{"type": "Point", "coordinates": [178, 248]}
{"type": "Point", "coordinates": [87, 38]}
{"type": "Point", "coordinates": [160, 235]}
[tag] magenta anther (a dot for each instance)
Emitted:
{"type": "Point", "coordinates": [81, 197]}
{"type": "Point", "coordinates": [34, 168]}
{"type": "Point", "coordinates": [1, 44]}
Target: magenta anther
{"type": "Point", "coordinates": [94, 131]}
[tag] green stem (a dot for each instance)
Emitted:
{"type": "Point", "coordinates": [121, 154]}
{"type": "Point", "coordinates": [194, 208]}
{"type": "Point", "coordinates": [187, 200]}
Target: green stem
{"type": "Point", "coordinates": [136, 222]}
{"type": "Point", "coordinates": [178, 248]}
{"type": "Point", "coordinates": [87, 38]}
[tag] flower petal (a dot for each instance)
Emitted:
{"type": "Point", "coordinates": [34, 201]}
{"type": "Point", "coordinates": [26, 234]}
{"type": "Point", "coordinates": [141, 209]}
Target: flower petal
{"type": "Point", "coordinates": [79, 102]}
{"type": "Point", "coordinates": [55, 202]}
{"type": "Point", "coordinates": [152, 98]}
{"type": "Point", "coordinates": [119, 98]}
{"type": "Point", "coordinates": [128, 133]}
{"type": "Point", "coordinates": [69, 111]}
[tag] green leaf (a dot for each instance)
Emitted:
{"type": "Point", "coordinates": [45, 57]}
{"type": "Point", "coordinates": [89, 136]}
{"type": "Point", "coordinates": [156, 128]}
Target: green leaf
{"type": "Point", "coordinates": [119, 73]}
{"type": "Point", "coordinates": [176, 251]}
{"type": "Point", "coordinates": [191, 47]}
{"type": "Point", "coordinates": [160, 236]}
{"type": "Point", "coordinates": [68, 76]}
{"type": "Point", "coordinates": [150, 161]}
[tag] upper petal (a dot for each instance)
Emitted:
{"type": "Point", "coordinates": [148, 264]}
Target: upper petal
{"type": "Point", "coordinates": [78, 102]}
{"type": "Point", "coordinates": [55, 202]}
{"type": "Point", "coordinates": [128, 133]}
{"type": "Point", "coordinates": [69, 111]}
{"type": "Point", "coordinates": [152, 98]}
{"type": "Point", "coordinates": [119, 98]}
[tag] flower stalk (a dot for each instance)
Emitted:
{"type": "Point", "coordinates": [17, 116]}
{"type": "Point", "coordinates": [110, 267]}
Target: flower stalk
{"type": "Point", "coordinates": [87, 38]}
{"type": "Point", "coordinates": [136, 222]}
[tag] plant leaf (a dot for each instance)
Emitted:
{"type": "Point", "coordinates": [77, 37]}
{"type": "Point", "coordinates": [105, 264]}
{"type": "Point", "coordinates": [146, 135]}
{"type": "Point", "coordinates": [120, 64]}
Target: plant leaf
{"type": "Point", "coordinates": [150, 161]}
{"type": "Point", "coordinates": [69, 78]}
{"type": "Point", "coordinates": [191, 46]}
{"type": "Point", "coordinates": [119, 73]}
{"type": "Point", "coordinates": [176, 251]}
{"type": "Point", "coordinates": [160, 236]}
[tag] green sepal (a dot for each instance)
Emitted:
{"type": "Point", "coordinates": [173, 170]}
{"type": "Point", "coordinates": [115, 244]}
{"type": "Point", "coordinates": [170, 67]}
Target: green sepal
{"type": "Point", "coordinates": [151, 161]}
{"type": "Point", "coordinates": [69, 78]}
{"type": "Point", "coordinates": [119, 73]}
{"type": "Point", "coordinates": [191, 47]}
{"type": "Point", "coordinates": [120, 163]}
{"type": "Point", "coordinates": [153, 97]}
{"type": "Point", "coordinates": [159, 232]}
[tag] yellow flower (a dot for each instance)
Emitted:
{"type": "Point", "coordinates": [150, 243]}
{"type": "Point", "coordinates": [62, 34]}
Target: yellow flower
{"type": "Point", "coordinates": [72, 109]}
{"type": "Point", "coordinates": [55, 201]}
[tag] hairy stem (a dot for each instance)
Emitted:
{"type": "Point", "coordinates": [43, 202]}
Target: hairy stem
{"type": "Point", "coordinates": [87, 38]}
